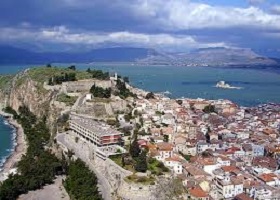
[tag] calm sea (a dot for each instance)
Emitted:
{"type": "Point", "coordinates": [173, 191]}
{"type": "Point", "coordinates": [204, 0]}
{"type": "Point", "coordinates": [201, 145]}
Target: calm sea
{"type": "Point", "coordinates": [7, 138]}
{"type": "Point", "coordinates": [259, 86]}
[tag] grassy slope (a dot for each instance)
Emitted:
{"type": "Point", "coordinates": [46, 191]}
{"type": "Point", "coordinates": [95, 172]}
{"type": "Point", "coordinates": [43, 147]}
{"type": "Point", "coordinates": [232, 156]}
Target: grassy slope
{"type": "Point", "coordinates": [5, 81]}
{"type": "Point", "coordinates": [42, 74]}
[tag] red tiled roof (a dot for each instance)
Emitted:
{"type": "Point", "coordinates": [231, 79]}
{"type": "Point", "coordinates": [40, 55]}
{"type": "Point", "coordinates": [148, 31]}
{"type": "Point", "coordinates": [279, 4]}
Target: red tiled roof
{"type": "Point", "coordinates": [243, 197]}
{"type": "Point", "coordinates": [197, 192]}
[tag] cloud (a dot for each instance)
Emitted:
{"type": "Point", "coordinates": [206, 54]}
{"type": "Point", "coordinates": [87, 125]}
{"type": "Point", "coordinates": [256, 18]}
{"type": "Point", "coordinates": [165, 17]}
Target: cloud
{"type": "Point", "coordinates": [184, 15]}
{"type": "Point", "coordinates": [62, 35]}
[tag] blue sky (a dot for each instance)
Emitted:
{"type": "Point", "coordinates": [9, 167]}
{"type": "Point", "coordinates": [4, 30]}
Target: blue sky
{"type": "Point", "coordinates": [168, 25]}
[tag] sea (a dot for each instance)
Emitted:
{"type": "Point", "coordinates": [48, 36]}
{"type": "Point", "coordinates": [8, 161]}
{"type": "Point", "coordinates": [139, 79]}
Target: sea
{"type": "Point", "coordinates": [258, 85]}
{"type": "Point", "coordinates": [7, 140]}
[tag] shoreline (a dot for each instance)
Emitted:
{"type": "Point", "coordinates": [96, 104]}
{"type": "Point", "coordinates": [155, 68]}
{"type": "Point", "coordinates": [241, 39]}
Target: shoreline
{"type": "Point", "coordinates": [19, 149]}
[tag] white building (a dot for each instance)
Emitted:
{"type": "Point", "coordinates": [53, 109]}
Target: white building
{"type": "Point", "coordinates": [95, 132]}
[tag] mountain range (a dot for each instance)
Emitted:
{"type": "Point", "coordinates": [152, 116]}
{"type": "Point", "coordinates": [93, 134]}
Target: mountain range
{"type": "Point", "coordinates": [143, 56]}
{"type": "Point", "coordinates": [211, 57]}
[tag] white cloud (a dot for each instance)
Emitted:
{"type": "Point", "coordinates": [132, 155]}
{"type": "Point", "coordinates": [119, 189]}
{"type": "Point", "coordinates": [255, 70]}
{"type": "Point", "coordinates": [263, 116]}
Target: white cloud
{"type": "Point", "coordinates": [185, 14]}
{"type": "Point", "coordinates": [62, 35]}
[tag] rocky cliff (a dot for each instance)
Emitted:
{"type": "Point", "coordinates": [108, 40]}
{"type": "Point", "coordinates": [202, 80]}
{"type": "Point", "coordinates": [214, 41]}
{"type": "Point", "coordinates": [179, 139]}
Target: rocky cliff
{"type": "Point", "coordinates": [24, 91]}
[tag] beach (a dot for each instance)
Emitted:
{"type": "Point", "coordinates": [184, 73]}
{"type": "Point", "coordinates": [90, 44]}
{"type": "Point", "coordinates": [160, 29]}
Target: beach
{"type": "Point", "coordinates": [19, 149]}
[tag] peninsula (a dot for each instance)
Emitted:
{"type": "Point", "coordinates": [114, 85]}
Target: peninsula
{"type": "Point", "coordinates": [102, 135]}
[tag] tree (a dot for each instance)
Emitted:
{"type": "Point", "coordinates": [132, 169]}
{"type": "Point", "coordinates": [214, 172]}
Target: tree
{"type": "Point", "coordinates": [134, 149]}
{"type": "Point", "coordinates": [50, 82]}
{"type": "Point", "coordinates": [209, 109]}
{"type": "Point", "coordinates": [179, 101]}
{"type": "Point", "coordinates": [165, 138]}
{"type": "Point", "coordinates": [100, 92]}
{"type": "Point", "coordinates": [141, 162]}
{"type": "Point", "coordinates": [126, 79]}
{"type": "Point", "coordinates": [72, 67]}
{"type": "Point", "coordinates": [150, 95]}
{"type": "Point", "coordinates": [81, 183]}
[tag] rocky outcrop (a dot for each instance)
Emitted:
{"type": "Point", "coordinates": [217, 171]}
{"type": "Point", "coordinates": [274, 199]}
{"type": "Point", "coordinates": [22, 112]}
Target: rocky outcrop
{"type": "Point", "coordinates": [27, 92]}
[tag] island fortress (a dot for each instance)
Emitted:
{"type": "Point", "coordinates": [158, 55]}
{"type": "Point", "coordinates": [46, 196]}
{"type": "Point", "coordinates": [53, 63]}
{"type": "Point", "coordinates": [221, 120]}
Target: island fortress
{"type": "Point", "coordinates": [143, 145]}
{"type": "Point", "coordinates": [224, 85]}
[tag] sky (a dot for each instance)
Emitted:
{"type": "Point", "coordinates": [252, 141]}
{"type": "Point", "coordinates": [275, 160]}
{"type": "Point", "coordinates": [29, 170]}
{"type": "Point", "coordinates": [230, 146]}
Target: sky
{"type": "Point", "coordinates": [167, 25]}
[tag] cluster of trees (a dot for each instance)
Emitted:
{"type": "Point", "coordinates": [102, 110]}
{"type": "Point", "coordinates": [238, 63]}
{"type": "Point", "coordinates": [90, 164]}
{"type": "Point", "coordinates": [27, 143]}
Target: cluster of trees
{"type": "Point", "coordinates": [81, 183]}
{"type": "Point", "coordinates": [99, 74]}
{"type": "Point", "coordinates": [38, 167]}
{"type": "Point", "coordinates": [100, 92]}
{"type": "Point", "coordinates": [150, 95]}
{"type": "Point", "coordinates": [123, 92]}
{"type": "Point", "coordinates": [209, 109]}
{"type": "Point", "coordinates": [72, 67]}
{"type": "Point", "coordinates": [10, 110]}
{"type": "Point", "coordinates": [139, 156]}
{"type": "Point", "coordinates": [57, 80]}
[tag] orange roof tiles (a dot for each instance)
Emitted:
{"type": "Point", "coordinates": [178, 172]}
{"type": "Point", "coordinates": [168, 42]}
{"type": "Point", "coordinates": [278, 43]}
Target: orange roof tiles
{"type": "Point", "coordinates": [267, 177]}
{"type": "Point", "coordinates": [164, 146]}
{"type": "Point", "coordinates": [229, 168]}
{"type": "Point", "coordinates": [197, 192]}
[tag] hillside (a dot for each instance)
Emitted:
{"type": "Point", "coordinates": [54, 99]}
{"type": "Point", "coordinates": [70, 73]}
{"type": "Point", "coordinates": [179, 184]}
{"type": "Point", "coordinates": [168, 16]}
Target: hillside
{"type": "Point", "coordinates": [211, 57]}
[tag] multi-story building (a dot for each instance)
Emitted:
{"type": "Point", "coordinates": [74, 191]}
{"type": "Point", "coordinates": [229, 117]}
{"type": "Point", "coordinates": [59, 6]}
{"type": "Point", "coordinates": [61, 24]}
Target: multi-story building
{"type": "Point", "coordinates": [95, 132]}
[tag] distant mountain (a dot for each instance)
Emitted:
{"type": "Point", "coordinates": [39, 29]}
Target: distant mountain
{"type": "Point", "coordinates": [143, 56]}
{"type": "Point", "coordinates": [211, 57]}
{"type": "Point", "coordinates": [14, 55]}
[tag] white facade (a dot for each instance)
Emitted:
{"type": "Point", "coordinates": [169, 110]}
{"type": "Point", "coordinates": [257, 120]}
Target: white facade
{"type": "Point", "coordinates": [176, 166]}
{"type": "Point", "coordinates": [201, 147]}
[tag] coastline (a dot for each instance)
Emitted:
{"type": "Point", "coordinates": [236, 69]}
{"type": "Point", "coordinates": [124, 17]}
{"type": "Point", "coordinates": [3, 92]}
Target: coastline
{"type": "Point", "coordinates": [19, 148]}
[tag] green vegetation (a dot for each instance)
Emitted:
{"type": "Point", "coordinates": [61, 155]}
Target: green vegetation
{"type": "Point", "coordinates": [141, 179]}
{"type": "Point", "coordinates": [72, 67]}
{"type": "Point", "coordinates": [42, 74]}
{"type": "Point", "coordinates": [156, 167]}
{"type": "Point", "coordinates": [68, 100]}
{"type": "Point", "coordinates": [119, 160]}
{"type": "Point", "coordinates": [150, 95]}
{"type": "Point", "coordinates": [10, 110]}
{"type": "Point", "coordinates": [57, 80]}
{"type": "Point", "coordinates": [134, 149]}
{"type": "Point", "coordinates": [165, 138]}
{"type": "Point", "coordinates": [38, 167]}
{"type": "Point", "coordinates": [187, 157]}
{"type": "Point", "coordinates": [126, 79]}
{"type": "Point", "coordinates": [123, 92]}
{"type": "Point", "coordinates": [99, 74]}
{"type": "Point", "coordinates": [81, 183]}
{"type": "Point", "coordinates": [100, 92]}
{"type": "Point", "coordinates": [5, 81]}
{"type": "Point", "coordinates": [209, 109]}
{"type": "Point", "coordinates": [141, 162]}
{"type": "Point", "coordinates": [139, 156]}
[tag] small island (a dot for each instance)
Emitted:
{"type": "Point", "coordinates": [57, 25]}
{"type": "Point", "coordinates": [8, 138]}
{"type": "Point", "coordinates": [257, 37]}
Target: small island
{"type": "Point", "coordinates": [224, 85]}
